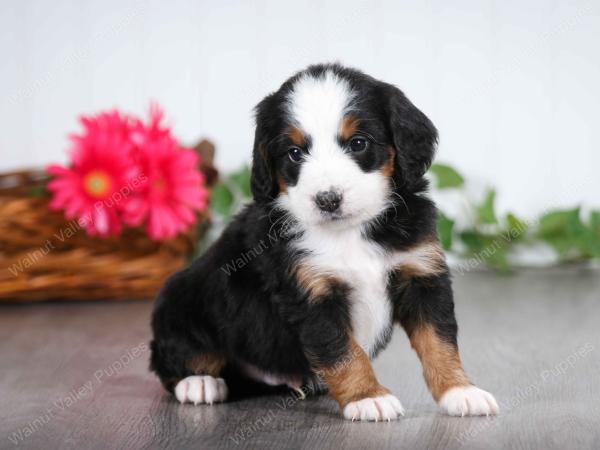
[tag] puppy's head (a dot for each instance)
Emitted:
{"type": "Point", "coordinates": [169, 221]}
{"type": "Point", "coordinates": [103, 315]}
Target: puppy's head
{"type": "Point", "coordinates": [333, 146]}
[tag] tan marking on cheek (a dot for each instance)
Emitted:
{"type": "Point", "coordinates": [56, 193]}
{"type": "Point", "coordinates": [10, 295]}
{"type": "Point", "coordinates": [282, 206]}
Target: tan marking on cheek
{"type": "Point", "coordinates": [296, 136]}
{"type": "Point", "coordinates": [349, 127]}
{"type": "Point", "coordinates": [207, 364]}
{"type": "Point", "coordinates": [442, 368]}
{"type": "Point", "coordinates": [317, 284]}
{"type": "Point", "coordinates": [283, 187]}
{"type": "Point", "coordinates": [352, 378]}
{"type": "Point", "coordinates": [423, 260]}
{"type": "Point", "coordinates": [387, 170]}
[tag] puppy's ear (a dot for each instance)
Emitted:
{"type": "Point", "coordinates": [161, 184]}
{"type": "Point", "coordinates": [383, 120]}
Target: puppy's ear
{"type": "Point", "coordinates": [414, 136]}
{"type": "Point", "coordinates": [262, 178]}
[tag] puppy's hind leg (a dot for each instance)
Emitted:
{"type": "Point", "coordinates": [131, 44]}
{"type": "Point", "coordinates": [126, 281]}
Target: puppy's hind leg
{"type": "Point", "coordinates": [193, 377]}
{"type": "Point", "coordinates": [205, 386]}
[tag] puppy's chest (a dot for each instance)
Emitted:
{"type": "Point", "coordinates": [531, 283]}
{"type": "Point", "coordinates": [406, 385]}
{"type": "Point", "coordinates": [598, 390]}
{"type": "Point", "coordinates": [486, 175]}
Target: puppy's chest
{"type": "Point", "coordinates": [364, 267]}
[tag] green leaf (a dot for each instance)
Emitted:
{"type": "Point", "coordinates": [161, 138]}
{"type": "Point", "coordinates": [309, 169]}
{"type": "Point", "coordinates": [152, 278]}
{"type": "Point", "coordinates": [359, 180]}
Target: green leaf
{"type": "Point", "coordinates": [485, 212]}
{"type": "Point", "coordinates": [516, 228]}
{"type": "Point", "coordinates": [490, 249]}
{"type": "Point", "coordinates": [595, 233]}
{"type": "Point", "coordinates": [472, 240]}
{"type": "Point", "coordinates": [595, 223]}
{"type": "Point", "coordinates": [562, 244]}
{"type": "Point", "coordinates": [241, 179]}
{"type": "Point", "coordinates": [38, 191]}
{"type": "Point", "coordinates": [446, 176]}
{"type": "Point", "coordinates": [514, 222]}
{"type": "Point", "coordinates": [222, 199]}
{"type": "Point", "coordinates": [445, 226]}
{"type": "Point", "coordinates": [558, 222]}
{"type": "Point", "coordinates": [499, 259]}
{"type": "Point", "coordinates": [584, 240]}
{"type": "Point", "coordinates": [564, 230]}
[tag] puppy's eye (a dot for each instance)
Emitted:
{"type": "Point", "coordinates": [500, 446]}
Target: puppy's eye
{"type": "Point", "coordinates": [358, 144]}
{"type": "Point", "coordinates": [296, 154]}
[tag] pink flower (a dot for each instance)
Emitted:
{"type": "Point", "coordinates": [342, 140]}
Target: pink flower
{"type": "Point", "coordinates": [126, 172]}
{"type": "Point", "coordinates": [97, 184]}
{"type": "Point", "coordinates": [173, 187]}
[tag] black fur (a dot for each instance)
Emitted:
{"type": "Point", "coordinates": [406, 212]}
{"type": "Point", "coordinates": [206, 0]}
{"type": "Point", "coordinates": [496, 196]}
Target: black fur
{"type": "Point", "coordinates": [255, 312]}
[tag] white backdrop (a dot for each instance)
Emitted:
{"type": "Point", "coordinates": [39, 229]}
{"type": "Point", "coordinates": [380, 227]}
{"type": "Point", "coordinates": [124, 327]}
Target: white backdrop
{"type": "Point", "coordinates": [512, 85]}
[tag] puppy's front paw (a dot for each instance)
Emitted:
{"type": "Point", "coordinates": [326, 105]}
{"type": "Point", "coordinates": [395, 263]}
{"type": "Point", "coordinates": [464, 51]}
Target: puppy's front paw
{"type": "Point", "coordinates": [468, 401]}
{"type": "Point", "coordinates": [199, 389]}
{"type": "Point", "coordinates": [385, 407]}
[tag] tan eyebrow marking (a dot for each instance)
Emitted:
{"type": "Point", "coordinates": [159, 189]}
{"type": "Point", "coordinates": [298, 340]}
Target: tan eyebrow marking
{"type": "Point", "coordinates": [296, 136]}
{"type": "Point", "coordinates": [349, 127]}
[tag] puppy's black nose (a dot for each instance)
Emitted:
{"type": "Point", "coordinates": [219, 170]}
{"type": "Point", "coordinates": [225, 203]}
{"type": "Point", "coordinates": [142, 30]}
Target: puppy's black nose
{"type": "Point", "coordinates": [328, 200]}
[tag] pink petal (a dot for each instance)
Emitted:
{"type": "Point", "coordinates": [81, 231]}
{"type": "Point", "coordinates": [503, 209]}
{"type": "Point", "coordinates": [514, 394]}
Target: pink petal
{"type": "Point", "coordinates": [100, 220]}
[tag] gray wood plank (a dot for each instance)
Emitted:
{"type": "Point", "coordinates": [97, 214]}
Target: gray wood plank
{"type": "Point", "coordinates": [74, 375]}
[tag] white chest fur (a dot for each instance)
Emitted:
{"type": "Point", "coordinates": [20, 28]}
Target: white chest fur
{"type": "Point", "coordinates": [364, 266]}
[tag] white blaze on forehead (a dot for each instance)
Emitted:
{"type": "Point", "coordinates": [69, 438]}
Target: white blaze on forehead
{"type": "Point", "coordinates": [317, 105]}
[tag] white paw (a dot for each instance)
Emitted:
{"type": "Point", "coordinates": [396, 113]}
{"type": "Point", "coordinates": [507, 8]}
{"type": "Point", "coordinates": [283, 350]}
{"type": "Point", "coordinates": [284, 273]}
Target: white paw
{"type": "Point", "coordinates": [468, 401]}
{"type": "Point", "coordinates": [199, 389]}
{"type": "Point", "coordinates": [386, 407]}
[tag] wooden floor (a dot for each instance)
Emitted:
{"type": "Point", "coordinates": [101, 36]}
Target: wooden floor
{"type": "Point", "coordinates": [75, 376]}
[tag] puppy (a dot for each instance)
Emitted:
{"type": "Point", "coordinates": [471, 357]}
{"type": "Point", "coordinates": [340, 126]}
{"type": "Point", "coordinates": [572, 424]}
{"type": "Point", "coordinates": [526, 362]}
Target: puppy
{"type": "Point", "coordinates": [305, 284]}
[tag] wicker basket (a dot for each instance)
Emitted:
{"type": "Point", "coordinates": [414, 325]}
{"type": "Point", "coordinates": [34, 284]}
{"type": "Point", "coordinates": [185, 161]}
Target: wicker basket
{"type": "Point", "coordinates": [45, 257]}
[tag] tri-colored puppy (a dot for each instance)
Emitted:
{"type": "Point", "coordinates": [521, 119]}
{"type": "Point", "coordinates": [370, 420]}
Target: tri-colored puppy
{"type": "Point", "coordinates": [305, 284]}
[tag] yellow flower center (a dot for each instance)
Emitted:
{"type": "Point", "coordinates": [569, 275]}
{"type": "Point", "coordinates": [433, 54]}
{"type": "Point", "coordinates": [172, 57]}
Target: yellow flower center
{"type": "Point", "coordinates": [97, 183]}
{"type": "Point", "coordinates": [159, 184]}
